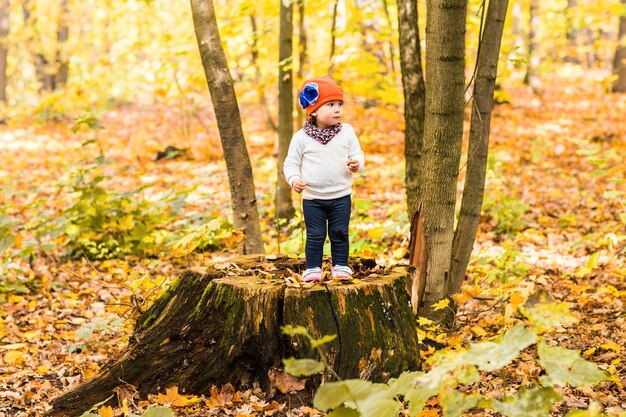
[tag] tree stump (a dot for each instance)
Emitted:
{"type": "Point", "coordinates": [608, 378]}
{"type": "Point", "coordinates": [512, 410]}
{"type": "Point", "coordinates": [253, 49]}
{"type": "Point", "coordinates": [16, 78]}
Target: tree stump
{"type": "Point", "coordinates": [223, 325]}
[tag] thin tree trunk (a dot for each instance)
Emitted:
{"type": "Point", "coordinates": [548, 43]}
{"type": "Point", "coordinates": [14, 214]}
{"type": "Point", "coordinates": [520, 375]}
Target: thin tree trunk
{"type": "Point", "coordinates": [4, 50]}
{"type": "Point", "coordinates": [302, 50]}
{"type": "Point", "coordinates": [414, 95]}
{"type": "Point", "coordinates": [284, 204]}
{"type": "Point", "coordinates": [371, 44]}
{"type": "Point", "coordinates": [443, 134]}
{"type": "Point", "coordinates": [480, 126]}
{"type": "Point", "coordinates": [258, 78]}
{"type": "Point", "coordinates": [333, 39]}
{"type": "Point", "coordinates": [62, 67]}
{"type": "Point", "coordinates": [241, 182]}
{"type": "Point", "coordinates": [531, 78]}
{"type": "Point", "coordinates": [392, 52]}
{"type": "Point", "coordinates": [619, 63]}
{"type": "Point", "coordinates": [571, 15]}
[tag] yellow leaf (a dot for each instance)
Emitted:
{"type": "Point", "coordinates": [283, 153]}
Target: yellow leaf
{"type": "Point", "coordinates": [589, 351]}
{"type": "Point", "coordinates": [32, 334]}
{"type": "Point", "coordinates": [441, 304]}
{"type": "Point", "coordinates": [42, 369]}
{"type": "Point", "coordinates": [14, 357]}
{"type": "Point", "coordinates": [106, 411]}
{"type": "Point", "coordinates": [15, 299]}
{"type": "Point", "coordinates": [14, 346]}
{"type": "Point", "coordinates": [611, 346]}
{"type": "Point", "coordinates": [517, 299]}
{"type": "Point", "coordinates": [423, 321]}
{"type": "Point", "coordinates": [478, 331]}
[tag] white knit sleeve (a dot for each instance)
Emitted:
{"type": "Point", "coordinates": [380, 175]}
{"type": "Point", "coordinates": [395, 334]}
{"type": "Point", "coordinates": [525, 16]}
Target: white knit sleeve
{"type": "Point", "coordinates": [355, 151]}
{"type": "Point", "coordinates": [293, 161]}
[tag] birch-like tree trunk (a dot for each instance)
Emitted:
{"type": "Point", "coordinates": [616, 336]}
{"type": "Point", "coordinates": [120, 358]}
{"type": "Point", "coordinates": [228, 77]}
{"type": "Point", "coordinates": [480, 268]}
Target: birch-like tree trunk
{"type": "Point", "coordinates": [284, 204]}
{"type": "Point", "coordinates": [254, 52]}
{"type": "Point", "coordinates": [619, 63]}
{"type": "Point", "coordinates": [531, 79]}
{"type": "Point", "coordinates": [63, 32]}
{"type": "Point", "coordinates": [333, 39]}
{"type": "Point", "coordinates": [238, 166]}
{"type": "Point", "coordinates": [302, 50]}
{"type": "Point", "coordinates": [443, 133]}
{"type": "Point", "coordinates": [571, 33]}
{"type": "Point", "coordinates": [4, 49]}
{"type": "Point", "coordinates": [482, 104]}
{"type": "Point", "coordinates": [414, 95]}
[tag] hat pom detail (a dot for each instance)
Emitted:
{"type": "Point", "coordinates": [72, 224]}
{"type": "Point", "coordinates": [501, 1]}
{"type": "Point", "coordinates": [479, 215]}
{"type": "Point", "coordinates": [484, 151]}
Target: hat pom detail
{"type": "Point", "coordinates": [309, 95]}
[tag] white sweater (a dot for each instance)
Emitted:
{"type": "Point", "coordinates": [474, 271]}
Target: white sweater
{"type": "Point", "coordinates": [323, 167]}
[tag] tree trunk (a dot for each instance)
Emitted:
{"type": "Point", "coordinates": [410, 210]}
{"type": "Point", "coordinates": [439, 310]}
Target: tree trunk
{"type": "Point", "coordinates": [392, 52]}
{"type": "Point", "coordinates": [302, 50]}
{"type": "Point", "coordinates": [474, 189]}
{"type": "Point", "coordinates": [258, 76]}
{"type": "Point", "coordinates": [62, 66]}
{"type": "Point", "coordinates": [531, 79]}
{"type": "Point", "coordinates": [241, 182]}
{"type": "Point", "coordinates": [414, 96]}
{"type": "Point", "coordinates": [4, 50]}
{"type": "Point", "coordinates": [211, 328]}
{"type": "Point", "coordinates": [333, 39]}
{"type": "Point", "coordinates": [571, 15]}
{"type": "Point", "coordinates": [443, 134]}
{"type": "Point", "coordinates": [619, 63]}
{"type": "Point", "coordinates": [284, 204]}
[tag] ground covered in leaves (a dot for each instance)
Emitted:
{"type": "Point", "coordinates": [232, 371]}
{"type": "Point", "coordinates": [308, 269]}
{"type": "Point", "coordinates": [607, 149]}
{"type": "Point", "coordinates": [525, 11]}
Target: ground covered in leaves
{"type": "Point", "coordinates": [554, 227]}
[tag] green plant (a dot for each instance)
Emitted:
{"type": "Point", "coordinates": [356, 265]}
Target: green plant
{"type": "Point", "coordinates": [453, 371]}
{"type": "Point", "coordinates": [104, 224]}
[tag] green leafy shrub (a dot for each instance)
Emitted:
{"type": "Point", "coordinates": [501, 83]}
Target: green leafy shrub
{"type": "Point", "coordinates": [450, 374]}
{"type": "Point", "coordinates": [104, 224]}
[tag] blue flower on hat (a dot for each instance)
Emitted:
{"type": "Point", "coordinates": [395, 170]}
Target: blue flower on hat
{"type": "Point", "coordinates": [309, 95]}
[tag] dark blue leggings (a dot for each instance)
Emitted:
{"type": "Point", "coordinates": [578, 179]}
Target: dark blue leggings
{"type": "Point", "coordinates": [320, 216]}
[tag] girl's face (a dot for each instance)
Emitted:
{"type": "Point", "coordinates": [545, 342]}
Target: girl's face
{"type": "Point", "coordinates": [329, 114]}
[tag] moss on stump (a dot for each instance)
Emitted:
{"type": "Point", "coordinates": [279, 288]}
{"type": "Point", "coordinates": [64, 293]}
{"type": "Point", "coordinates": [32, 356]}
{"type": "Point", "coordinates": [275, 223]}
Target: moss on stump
{"type": "Point", "coordinates": [223, 325]}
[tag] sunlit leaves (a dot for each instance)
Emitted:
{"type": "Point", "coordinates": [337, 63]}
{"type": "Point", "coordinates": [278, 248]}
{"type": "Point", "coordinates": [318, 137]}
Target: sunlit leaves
{"type": "Point", "coordinates": [494, 355]}
{"type": "Point", "coordinates": [302, 367]}
{"type": "Point", "coordinates": [535, 401]}
{"type": "Point", "coordinates": [566, 367]}
{"type": "Point", "coordinates": [546, 316]}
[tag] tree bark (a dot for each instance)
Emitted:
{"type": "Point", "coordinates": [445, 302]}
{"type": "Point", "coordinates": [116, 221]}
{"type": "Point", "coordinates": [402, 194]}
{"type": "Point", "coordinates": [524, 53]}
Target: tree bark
{"type": "Point", "coordinates": [333, 39]}
{"type": "Point", "coordinates": [4, 49]}
{"type": "Point", "coordinates": [443, 134]}
{"type": "Point", "coordinates": [259, 79]}
{"type": "Point", "coordinates": [474, 189]}
{"type": "Point", "coordinates": [302, 50]}
{"type": "Point", "coordinates": [211, 328]}
{"type": "Point", "coordinates": [414, 96]}
{"type": "Point", "coordinates": [619, 63]}
{"type": "Point", "coordinates": [62, 65]}
{"type": "Point", "coordinates": [531, 79]}
{"type": "Point", "coordinates": [571, 34]}
{"type": "Point", "coordinates": [238, 166]}
{"type": "Point", "coordinates": [284, 204]}
{"type": "Point", "coordinates": [392, 52]}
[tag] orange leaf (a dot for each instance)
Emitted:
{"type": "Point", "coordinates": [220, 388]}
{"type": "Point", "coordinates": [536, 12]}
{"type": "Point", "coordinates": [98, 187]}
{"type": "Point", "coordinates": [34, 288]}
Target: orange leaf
{"type": "Point", "coordinates": [106, 411]}
{"type": "Point", "coordinates": [173, 398]}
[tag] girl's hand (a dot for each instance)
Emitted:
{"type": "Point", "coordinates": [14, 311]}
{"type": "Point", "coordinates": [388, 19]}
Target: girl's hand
{"type": "Point", "coordinates": [298, 185]}
{"type": "Point", "coordinates": [353, 165]}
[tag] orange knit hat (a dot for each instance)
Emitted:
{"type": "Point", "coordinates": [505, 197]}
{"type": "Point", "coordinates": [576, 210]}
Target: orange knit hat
{"type": "Point", "coordinates": [318, 91]}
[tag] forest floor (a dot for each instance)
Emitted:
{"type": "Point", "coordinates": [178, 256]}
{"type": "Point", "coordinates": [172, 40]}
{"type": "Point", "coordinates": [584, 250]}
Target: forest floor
{"type": "Point", "coordinates": [551, 228]}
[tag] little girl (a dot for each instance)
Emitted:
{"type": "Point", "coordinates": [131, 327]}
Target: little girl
{"type": "Point", "coordinates": [321, 159]}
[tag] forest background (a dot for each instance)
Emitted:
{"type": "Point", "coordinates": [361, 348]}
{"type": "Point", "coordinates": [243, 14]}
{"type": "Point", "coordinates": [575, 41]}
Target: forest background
{"type": "Point", "coordinates": [113, 180]}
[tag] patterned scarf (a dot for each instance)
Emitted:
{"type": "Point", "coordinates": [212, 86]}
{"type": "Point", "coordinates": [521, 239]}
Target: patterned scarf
{"type": "Point", "coordinates": [323, 136]}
